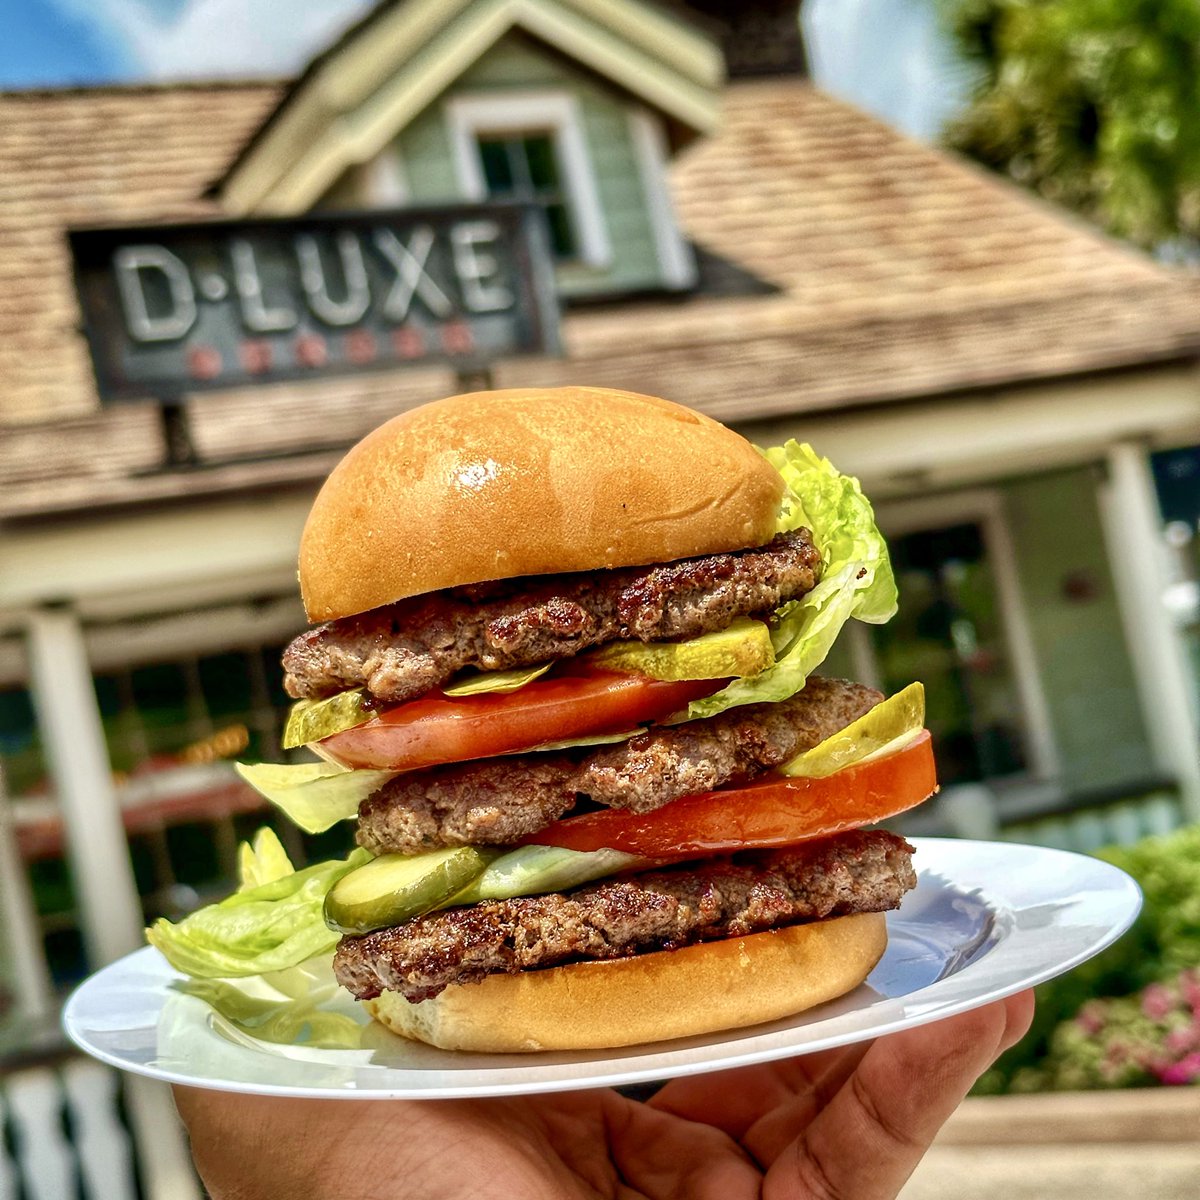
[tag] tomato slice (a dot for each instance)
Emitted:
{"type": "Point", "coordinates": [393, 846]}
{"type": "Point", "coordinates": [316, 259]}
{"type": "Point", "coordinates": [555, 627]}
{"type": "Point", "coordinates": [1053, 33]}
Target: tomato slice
{"type": "Point", "coordinates": [437, 729]}
{"type": "Point", "coordinates": [776, 811]}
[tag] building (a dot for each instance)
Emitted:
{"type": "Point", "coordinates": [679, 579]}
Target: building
{"type": "Point", "coordinates": [725, 235]}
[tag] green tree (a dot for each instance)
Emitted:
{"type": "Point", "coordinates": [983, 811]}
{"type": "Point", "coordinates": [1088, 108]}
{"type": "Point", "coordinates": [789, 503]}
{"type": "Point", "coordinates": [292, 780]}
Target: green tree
{"type": "Point", "coordinates": [1094, 104]}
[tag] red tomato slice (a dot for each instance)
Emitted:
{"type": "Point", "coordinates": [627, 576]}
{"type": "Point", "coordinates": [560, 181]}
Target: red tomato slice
{"type": "Point", "coordinates": [776, 811]}
{"type": "Point", "coordinates": [439, 729]}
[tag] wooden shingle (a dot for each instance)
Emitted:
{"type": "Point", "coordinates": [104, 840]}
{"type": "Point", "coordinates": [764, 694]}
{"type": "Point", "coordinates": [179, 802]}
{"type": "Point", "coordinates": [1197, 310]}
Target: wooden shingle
{"type": "Point", "coordinates": [900, 272]}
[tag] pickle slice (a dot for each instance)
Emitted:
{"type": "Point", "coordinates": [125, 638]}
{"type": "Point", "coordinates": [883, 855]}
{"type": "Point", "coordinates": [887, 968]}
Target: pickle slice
{"type": "Point", "coordinates": [395, 888]}
{"type": "Point", "coordinates": [478, 682]}
{"type": "Point", "coordinates": [312, 720]}
{"type": "Point", "coordinates": [888, 727]}
{"type": "Point", "coordinates": [740, 650]}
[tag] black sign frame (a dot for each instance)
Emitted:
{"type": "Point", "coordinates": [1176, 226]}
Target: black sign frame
{"type": "Point", "coordinates": [467, 340]}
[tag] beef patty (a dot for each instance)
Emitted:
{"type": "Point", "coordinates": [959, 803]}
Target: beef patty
{"type": "Point", "coordinates": [663, 909]}
{"type": "Point", "coordinates": [499, 801]}
{"type": "Point", "coordinates": [403, 649]}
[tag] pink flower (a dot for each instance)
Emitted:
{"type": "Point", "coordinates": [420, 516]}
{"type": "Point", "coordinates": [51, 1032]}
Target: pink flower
{"type": "Point", "coordinates": [1090, 1019]}
{"type": "Point", "coordinates": [1180, 1041]}
{"type": "Point", "coordinates": [1118, 1053]}
{"type": "Point", "coordinates": [1183, 1072]}
{"type": "Point", "coordinates": [1157, 1001]}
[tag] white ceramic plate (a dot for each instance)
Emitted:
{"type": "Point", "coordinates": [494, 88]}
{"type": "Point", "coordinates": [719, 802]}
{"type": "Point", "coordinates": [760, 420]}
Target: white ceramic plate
{"type": "Point", "coordinates": [986, 920]}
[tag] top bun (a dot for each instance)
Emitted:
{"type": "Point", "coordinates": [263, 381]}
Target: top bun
{"type": "Point", "coordinates": [494, 485]}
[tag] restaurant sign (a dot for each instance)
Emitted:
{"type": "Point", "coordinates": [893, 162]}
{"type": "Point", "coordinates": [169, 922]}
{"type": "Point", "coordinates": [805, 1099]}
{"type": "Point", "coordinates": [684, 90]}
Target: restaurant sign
{"type": "Point", "coordinates": [172, 309]}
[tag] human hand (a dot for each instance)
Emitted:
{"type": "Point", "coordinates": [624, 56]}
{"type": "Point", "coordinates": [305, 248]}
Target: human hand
{"type": "Point", "coordinates": [848, 1124]}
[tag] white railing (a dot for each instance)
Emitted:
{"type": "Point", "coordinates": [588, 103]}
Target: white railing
{"type": "Point", "coordinates": [68, 1141]}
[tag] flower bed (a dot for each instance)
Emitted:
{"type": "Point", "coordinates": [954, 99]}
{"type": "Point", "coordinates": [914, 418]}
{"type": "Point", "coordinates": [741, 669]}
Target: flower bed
{"type": "Point", "coordinates": [1131, 1016]}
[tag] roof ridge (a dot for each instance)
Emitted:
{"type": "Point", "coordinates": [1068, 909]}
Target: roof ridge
{"type": "Point", "coordinates": [143, 87]}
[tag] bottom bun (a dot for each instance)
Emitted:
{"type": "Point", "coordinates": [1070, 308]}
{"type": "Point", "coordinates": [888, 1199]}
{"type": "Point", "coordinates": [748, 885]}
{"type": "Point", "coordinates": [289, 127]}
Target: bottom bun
{"type": "Point", "coordinates": [649, 998]}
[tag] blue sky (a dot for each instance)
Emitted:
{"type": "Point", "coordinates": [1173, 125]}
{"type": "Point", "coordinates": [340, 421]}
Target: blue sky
{"type": "Point", "coordinates": [885, 55]}
{"type": "Point", "coordinates": [45, 44]}
{"type": "Point", "coordinates": [57, 42]}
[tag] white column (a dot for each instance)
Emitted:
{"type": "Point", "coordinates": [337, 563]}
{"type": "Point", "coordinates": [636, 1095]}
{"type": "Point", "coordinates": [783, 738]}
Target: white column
{"type": "Point", "coordinates": [30, 981]}
{"type": "Point", "coordinates": [110, 913]}
{"type": "Point", "coordinates": [1018, 636]}
{"type": "Point", "coordinates": [1133, 529]}
{"type": "Point", "coordinates": [163, 1157]}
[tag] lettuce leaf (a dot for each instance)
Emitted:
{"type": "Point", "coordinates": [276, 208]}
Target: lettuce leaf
{"type": "Point", "coordinates": [596, 739]}
{"type": "Point", "coordinates": [315, 796]}
{"type": "Point", "coordinates": [284, 1021]}
{"type": "Point", "coordinates": [856, 578]}
{"type": "Point", "coordinates": [268, 927]}
{"type": "Point", "coordinates": [262, 860]}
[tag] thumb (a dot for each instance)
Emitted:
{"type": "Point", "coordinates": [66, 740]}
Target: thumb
{"type": "Point", "coordinates": [871, 1135]}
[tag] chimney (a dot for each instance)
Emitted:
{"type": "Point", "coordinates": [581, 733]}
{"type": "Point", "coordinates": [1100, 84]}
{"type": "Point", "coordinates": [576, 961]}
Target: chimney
{"type": "Point", "coordinates": [760, 37]}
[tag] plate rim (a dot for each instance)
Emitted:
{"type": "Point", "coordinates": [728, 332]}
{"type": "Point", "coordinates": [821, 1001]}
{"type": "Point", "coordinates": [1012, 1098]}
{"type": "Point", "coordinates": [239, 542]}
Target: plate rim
{"type": "Point", "coordinates": [622, 1071]}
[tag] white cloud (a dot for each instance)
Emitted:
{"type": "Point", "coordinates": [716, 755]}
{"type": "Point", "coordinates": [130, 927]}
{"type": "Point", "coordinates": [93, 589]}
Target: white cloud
{"type": "Point", "coordinates": [890, 57]}
{"type": "Point", "coordinates": [204, 39]}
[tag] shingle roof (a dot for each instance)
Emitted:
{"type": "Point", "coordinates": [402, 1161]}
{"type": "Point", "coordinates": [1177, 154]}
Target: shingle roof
{"type": "Point", "coordinates": [903, 273]}
{"type": "Point", "coordinates": [93, 157]}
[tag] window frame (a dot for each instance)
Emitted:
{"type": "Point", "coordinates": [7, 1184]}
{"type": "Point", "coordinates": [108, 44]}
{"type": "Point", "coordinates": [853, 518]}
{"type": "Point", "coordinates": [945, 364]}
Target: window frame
{"type": "Point", "coordinates": [676, 258]}
{"type": "Point", "coordinates": [556, 113]}
{"type": "Point", "coordinates": [985, 507]}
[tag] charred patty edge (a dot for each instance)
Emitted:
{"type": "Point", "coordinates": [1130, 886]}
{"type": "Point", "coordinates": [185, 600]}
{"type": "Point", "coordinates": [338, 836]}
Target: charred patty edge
{"type": "Point", "coordinates": [859, 871]}
{"type": "Point", "coordinates": [402, 650]}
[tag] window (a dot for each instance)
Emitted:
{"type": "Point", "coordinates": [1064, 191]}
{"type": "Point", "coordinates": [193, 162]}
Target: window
{"type": "Point", "coordinates": [531, 146]}
{"type": "Point", "coordinates": [962, 629]}
{"type": "Point", "coordinates": [524, 166]}
{"type": "Point", "coordinates": [949, 633]}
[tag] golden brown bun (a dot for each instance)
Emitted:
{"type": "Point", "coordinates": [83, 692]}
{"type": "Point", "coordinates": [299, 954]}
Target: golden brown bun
{"type": "Point", "coordinates": [628, 1001]}
{"type": "Point", "coordinates": [492, 485]}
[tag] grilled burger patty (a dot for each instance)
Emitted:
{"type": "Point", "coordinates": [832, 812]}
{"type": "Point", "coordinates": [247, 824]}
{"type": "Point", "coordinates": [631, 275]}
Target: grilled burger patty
{"type": "Point", "coordinates": [664, 909]}
{"type": "Point", "coordinates": [500, 801]}
{"type": "Point", "coordinates": [404, 649]}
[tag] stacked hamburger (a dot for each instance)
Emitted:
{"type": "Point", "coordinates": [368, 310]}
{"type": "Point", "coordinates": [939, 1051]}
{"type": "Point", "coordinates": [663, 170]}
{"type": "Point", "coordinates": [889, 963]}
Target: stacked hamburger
{"type": "Point", "coordinates": [563, 680]}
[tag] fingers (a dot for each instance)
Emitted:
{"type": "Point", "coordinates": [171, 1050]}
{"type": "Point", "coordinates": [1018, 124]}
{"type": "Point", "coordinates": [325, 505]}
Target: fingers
{"type": "Point", "coordinates": [734, 1101]}
{"type": "Point", "coordinates": [1019, 1010]}
{"type": "Point", "coordinates": [873, 1132]}
{"type": "Point", "coordinates": [780, 1125]}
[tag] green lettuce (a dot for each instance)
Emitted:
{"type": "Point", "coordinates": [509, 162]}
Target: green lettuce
{"type": "Point", "coordinates": [263, 927]}
{"type": "Point", "coordinates": [262, 860]}
{"type": "Point", "coordinates": [315, 796]}
{"type": "Point", "coordinates": [856, 578]}
{"type": "Point", "coordinates": [282, 1018]}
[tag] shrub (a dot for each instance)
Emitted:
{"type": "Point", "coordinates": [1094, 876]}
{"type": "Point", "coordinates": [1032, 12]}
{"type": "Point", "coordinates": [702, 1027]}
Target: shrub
{"type": "Point", "coordinates": [1164, 941]}
{"type": "Point", "coordinates": [1131, 1041]}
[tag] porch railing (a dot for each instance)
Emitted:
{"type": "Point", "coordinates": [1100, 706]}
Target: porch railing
{"type": "Point", "coordinates": [64, 1136]}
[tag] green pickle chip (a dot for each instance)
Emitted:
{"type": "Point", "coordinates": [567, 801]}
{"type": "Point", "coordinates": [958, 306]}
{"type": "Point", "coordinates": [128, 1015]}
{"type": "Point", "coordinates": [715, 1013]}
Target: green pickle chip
{"type": "Point", "coordinates": [479, 682]}
{"type": "Point", "coordinates": [888, 727]}
{"type": "Point", "coordinates": [312, 720]}
{"type": "Point", "coordinates": [738, 651]}
{"type": "Point", "coordinates": [395, 888]}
